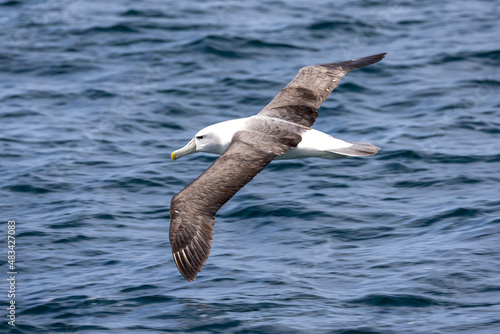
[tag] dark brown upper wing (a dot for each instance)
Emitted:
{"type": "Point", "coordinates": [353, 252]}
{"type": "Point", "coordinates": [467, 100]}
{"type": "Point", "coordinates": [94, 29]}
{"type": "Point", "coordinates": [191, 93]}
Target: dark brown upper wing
{"type": "Point", "coordinates": [192, 211]}
{"type": "Point", "coordinates": [299, 101]}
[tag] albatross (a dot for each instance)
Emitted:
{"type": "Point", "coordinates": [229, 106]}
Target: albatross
{"type": "Point", "coordinates": [282, 130]}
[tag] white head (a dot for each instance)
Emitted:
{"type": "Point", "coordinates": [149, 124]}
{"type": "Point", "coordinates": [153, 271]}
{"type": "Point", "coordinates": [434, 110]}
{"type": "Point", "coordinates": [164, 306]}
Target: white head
{"type": "Point", "coordinates": [212, 139]}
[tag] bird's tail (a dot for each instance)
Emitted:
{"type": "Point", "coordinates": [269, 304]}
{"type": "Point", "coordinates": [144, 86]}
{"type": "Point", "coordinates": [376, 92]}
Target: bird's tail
{"type": "Point", "coordinates": [356, 150]}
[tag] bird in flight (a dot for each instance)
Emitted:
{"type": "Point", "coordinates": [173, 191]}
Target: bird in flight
{"type": "Point", "coordinates": [282, 130]}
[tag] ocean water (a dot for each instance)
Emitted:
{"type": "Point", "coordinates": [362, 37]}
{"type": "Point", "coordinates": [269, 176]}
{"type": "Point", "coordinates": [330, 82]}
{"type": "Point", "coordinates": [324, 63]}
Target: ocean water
{"type": "Point", "coordinates": [95, 96]}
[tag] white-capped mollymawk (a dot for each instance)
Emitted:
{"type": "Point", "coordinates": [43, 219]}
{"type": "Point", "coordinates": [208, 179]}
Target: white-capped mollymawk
{"type": "Point", "coordinates": [282, 130]}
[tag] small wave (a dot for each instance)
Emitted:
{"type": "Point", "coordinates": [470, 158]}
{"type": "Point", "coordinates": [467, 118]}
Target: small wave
{"type": "Point", "coordinates": [411, 182]}
{"type": "Point", "coordinates": [225, 46]}
{"type": "Point", "coordinates": [32, 234]}
{"type": "Point", "coordinates": [157, 124]}
{"type": "Point", "coordinates": [54, 304]}
{"type": "Point", "coordinates": [146, 13]}
{"type": "Point", "coordinates": [139, 288]}
{"type": "Point", "coordinates": [68, 224]}
{"type": "Point", "coordinates": [484, 84]}
{"type": "Point", "coordinates": [398, 300]}
{"type": "Point", "coordinates": [73, 239]}
{"type": "Point", "coordinates": [485, 127]}
{"type": "Point", "coordinates": [464, 55]}
{"type": "Point", "coordinates": [151, 299]}
{"type": "Point", "coordinates": [259, 43]}
{"type": "Point", "coordinates": [250, 83]}
{"type": "Point", "coordinates": [286, 165]}
{"type": "Point", "coordinates": [401, 154]}
{"type": "Point", "coordinates": [461, 213]}
{"type": "Point", "coordinates": [95, 94]}
{"type": "Point", "coordinates": [218, 45]}
{"type": "Point", "coordinates": [462, 159]}
{"type": "Point", "coordinates": [256, 211]}
{"type": "Point", "coordinates": [27, 188]}
{"type": "Point", "coordinates": [11, 3]}
{"type": "Point", "coordinates": [349, 235]}
{"type": "Point", "coordinates": [413, 156]}
{"type": "Point", "coordinates": [130, 183]}
{"type": "Point", "coordinates": [116, 28]}
{"type": "Point", "coordinates": [103, 216]}
{"type": "Point", "coordinates": [350, 87]}
{"type": "Point", "coordinates": [409, 22]}
{"type": "Point", "coordinates": [38, 94]}
{"type": "Point", "coordinates": [66, 68]}
{"type": "Point", "coordinates": [20, 113]}
{"type": "Point", "coordinates": [329, 25]}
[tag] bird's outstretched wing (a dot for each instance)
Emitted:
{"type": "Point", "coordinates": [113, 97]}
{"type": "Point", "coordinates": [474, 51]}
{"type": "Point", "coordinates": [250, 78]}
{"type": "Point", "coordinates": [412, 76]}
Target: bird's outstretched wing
{"type": "Point", "coordinates": [192, 211]}
{"type": "Point", "coordinates": [292, 111]}
{"type": "Point", "coordinates": [299, 101]}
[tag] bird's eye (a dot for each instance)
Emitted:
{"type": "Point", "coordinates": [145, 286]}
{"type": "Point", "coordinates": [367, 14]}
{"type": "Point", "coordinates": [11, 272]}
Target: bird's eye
{"type": "Point", "coordinates": [199, 137]}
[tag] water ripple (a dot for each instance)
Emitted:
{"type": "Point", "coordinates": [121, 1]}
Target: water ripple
{"type": "Point", "coordinates": [95, 98]}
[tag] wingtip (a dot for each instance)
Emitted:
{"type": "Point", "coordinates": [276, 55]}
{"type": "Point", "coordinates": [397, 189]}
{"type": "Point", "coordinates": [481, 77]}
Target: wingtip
{"type": "Point", "coordinates": [358, 62]}
{"type": "Point", "coordinates": [365, 61]}
{"type": "Point", "coordinates": [190, 279]}
{"type": "Point", "coordinates": [188, 275]}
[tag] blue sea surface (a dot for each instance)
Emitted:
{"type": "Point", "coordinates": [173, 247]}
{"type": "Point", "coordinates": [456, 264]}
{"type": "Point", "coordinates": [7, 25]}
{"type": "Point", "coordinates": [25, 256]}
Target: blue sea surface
{"type": "Point", "coordinates": [95, 97]}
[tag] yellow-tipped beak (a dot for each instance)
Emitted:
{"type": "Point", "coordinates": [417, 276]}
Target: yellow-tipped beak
{"type": "Point", "coordinates": [188, 149]}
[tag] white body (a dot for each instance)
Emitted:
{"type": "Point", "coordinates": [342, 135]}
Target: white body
{"type": "Point", "coordinates": [217, 137]}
